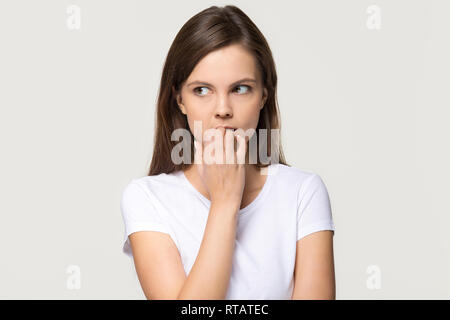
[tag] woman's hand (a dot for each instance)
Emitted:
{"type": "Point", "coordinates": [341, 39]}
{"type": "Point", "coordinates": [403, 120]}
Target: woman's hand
{"type": "Point", "coordinates": [223, 176]}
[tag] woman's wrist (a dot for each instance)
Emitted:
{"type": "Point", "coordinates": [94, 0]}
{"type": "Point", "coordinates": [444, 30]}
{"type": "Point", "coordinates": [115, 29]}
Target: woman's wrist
{"type": "Point", "coordinates": [227, 203]}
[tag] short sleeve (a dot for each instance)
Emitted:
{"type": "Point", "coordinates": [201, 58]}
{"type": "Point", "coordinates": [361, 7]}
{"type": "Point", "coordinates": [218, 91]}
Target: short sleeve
{"type": "Point", "coordinates": [314, 210]}
{"type": "Point", "coordinates": [138, 214]}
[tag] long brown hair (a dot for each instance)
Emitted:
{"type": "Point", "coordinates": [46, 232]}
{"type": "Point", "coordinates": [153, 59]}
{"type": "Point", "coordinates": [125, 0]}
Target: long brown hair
{"type": "Point", "coordinates": [209, 30]}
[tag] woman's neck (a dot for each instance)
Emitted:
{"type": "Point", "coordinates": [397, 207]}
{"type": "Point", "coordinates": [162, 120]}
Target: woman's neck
{"type": "Point", "coordinates": [254, 180]}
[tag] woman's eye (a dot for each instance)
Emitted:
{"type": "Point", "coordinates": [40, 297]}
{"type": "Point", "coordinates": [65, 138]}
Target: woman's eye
{"type": "Point", "coordinates": [196, 90]}
{"type": "Point", "coordinates": [199, 90]}
{"type": "Point", "coordinates": [248, 88]}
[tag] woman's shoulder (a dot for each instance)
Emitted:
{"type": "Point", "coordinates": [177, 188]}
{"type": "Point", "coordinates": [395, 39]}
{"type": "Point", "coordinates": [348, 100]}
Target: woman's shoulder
{"type": "Point", "coordinates": [159, 182]}
{"type": "Point", "coordinates": [292, 174]}
{"type": "Point", "coordinates": [301, 181]}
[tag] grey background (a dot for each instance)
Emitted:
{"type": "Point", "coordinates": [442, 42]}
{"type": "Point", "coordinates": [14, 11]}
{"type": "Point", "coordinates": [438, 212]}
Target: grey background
{"type": "Point", "coordinates": [367, 110]}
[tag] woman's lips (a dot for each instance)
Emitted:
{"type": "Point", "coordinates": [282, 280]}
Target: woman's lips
{"type": "Point", "coordinates": [226, 127]}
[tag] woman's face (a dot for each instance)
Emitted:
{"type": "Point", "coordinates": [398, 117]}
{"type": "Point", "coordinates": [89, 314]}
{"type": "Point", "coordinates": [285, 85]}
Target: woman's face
{"type": "Point", "coordinates": [215, 95]}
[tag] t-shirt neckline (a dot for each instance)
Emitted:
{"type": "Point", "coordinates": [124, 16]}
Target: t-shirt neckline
{"type": "Point", "coordinates": [255, 201]}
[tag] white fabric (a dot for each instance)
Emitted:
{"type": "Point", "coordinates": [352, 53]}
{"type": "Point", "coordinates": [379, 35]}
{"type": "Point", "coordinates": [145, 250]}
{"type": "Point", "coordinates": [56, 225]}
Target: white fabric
{"type": "Point", "coordinates": [291, 205]}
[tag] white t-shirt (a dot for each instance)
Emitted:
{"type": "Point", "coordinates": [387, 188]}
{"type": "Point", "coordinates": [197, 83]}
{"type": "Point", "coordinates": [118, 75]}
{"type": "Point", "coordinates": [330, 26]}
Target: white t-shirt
{"type": "Point", "coordinates": [292, 204]}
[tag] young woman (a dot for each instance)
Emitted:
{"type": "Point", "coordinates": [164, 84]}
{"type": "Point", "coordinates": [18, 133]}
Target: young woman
{"type": "Point", "coordinates": [239, 230]}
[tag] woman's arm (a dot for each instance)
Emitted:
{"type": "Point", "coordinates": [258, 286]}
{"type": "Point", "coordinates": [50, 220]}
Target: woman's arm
{"type": "Point", "coordinates": [314, 276]}
{"type": "Point", "coordinates": [160, 270]}
{"type": "Point", "coordinates": [210, 274]}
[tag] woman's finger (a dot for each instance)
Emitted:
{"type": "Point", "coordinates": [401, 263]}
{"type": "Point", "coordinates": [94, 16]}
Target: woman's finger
{"type": "Point", "coordinates": [240, 153]}
{"type": "Point", "coordinates": [229, 147]}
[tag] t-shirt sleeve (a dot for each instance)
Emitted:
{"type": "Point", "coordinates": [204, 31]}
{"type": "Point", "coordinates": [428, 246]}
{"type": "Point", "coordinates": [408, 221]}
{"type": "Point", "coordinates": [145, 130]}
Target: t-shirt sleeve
{"type": "Point", "coordinates": [138, 214]}
{"type": "Point", "coordinates": [314, 210]}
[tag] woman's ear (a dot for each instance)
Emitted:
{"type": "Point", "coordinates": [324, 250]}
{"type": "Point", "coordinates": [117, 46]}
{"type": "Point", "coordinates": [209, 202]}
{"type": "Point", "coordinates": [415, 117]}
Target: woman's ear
{"type": "Point", "coordinates": [178, 100]}
{"type": "Point", "coordinates": [264, 98]}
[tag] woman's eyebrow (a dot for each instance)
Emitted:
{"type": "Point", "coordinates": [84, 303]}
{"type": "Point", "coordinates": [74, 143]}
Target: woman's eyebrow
{"type": "Point", "coordinates": [232, 85]}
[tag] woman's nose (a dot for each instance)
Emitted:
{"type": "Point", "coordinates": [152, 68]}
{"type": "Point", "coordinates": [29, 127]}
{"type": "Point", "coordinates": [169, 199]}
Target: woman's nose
{"type": "Point", "coordinates": [223, 108]}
